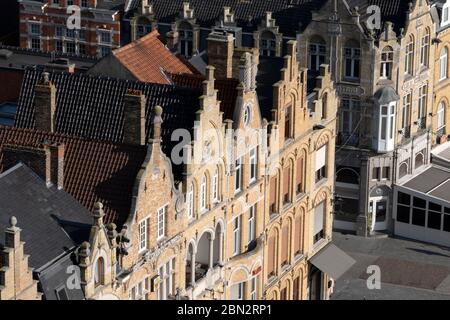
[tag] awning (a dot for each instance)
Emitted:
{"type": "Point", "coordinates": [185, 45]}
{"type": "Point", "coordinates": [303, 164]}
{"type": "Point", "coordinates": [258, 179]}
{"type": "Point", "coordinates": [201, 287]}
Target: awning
{"type": "Point", "coordinates": [332, 261]}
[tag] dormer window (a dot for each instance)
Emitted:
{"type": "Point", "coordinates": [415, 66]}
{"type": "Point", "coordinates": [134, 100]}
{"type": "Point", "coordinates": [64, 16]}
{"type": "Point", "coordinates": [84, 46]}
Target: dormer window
{"type": "Point", "coordinates": [387, 60]}
{"type": "Point", "coordinates": [186, 40]}
{"type": "Point", "coordinates": [268, 45]}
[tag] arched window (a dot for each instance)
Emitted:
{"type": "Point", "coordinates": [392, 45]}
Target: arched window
{"type": "Point", "coordinates": [409, 58]}
{"type": "Point", "coordinates": [298, 234]}
{"type": "Point", "coordinates": [403, 170]}
{"type": "Point", "coordinates": [300, 174]}
{"type": "Point", "coordinates": [99, 272]}
{"type": "Point", "coordinates": [419, 161]}
{"type": "Point", "coordinates": [272, 255]}
{"type": "Point", "coordinates": [190, 201]}
{"type": "Point", "coordinates": [425, 49]}
{"type": "Point", "coordinates": [268, 45]}
{"type": "Point", "coordinates": [285, 244]}
{"type": "Point", "coordinates": [203, 194]}
{"type": "Point", "coordinates": [215, 186]}
{"type": "Point", "coordinates": [324, 106]}
{"type": "Point", "coordinates": [352, 56]}
{"type": "Point", "coordinates": [317, 53]}
{"type": "Point", "coordinates": [186, 39]}
{"type": "Point", "coordinates": [387, 61]}
{"type": "Point", "coordinates": [347, 175]}
{"type": "Point", "coordinates": [441, 116]}
{"type": "Point", "coordinates": [443, 64]}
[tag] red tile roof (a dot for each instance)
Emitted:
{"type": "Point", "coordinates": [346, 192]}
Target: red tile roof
{"type": "Point", "coordinates": [148, 59]}
{"type": "Point", "coordinates": [93, 171]}
{"type": "Point", "coordinates": [227, 92]}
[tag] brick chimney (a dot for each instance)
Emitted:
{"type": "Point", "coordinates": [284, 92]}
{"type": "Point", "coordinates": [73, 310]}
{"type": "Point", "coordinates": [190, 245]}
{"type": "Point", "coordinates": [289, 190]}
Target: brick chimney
{"type": "Point", "coordinates": [47, 161]}
{"type": "Point", "coordinates": [45, 104]}
{"type": "Point", "coordinates": [134, 117]}
{"type": "Point", "coordinates": [220, 53]}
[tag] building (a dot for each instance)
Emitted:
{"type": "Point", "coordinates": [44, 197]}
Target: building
{"type": "Point", "coordinates": [51, 26]}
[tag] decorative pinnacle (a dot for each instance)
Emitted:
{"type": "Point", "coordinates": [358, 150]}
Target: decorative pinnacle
{"type": "Point", "coordinates": [13, 221]}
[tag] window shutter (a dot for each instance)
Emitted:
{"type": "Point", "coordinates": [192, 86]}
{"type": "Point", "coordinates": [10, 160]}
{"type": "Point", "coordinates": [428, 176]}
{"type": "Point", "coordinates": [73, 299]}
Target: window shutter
{"type": "Point", "coordinates": [318, 218]}
{"type": "Point", "coordinates": [321, 157]}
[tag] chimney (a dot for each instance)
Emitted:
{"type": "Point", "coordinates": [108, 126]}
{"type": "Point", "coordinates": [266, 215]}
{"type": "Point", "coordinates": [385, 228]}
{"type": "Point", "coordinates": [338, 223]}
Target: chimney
{"type": "Point", "coordinates": [47, 161]}
{"type": "Point", "coordinates": [220, 53]}
{"type": "Point", "coordinates": [134, 117]}
{"type": "Point", "coordinates": [45, 104]}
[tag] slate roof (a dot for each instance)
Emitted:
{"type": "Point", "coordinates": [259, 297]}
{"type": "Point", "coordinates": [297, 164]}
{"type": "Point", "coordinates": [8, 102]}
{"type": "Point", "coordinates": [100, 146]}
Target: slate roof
{"type": "Point", "coordinates": [227, 92]}
{"type": "Point", "coordinates": [248, 13]}
{"type": "Point", "coordinates": [93, 171]}
{"type": "Point", "coordinates": [92, 107]}
{"type": "Point", "coordinates": [435, 181]}
{"type": "Point", "coordinates": [52, 221]}
{"type": "Point", "coordinates": [149, 60]}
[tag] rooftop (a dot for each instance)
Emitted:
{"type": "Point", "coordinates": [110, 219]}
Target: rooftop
{"type": "Point", "coordinates": [434, 181]}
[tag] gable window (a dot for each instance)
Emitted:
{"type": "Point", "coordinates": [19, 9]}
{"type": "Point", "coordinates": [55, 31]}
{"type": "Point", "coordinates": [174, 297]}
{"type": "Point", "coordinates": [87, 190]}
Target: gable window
{"type": "Point", "coordinates": [387, 61]}
{"type": "Point", "coordinates": [186, 40]}
{"type": "Point", "coordinates": [425, 49]}
{"type": "Point", "coordinates": [317, 54]}
{"type": "Point", "coordinates": [215, 186]}
{"type": "Point", "coordinates": [203, 194]}
{"type": "Point", "coordinates": [352, 56]}
{"type": "Point", "coordinates": [319, 214]}
{"type": "Point", "coordinates": [321, 155]}
{"type": "Point", "coordinates": [237, 235]}
{"type": "Point", "coordinates": [190, 201]}
{"type": "Point", "coordinates": [253, 164]}
{"type": "Point", "coordinates": [268, 46]}
{"type": "Point", "coordinates": [288, 123]}
{"type": "Point", "coordinates": [99, 272]}
{"type": "Point", "coordinates": [443, 64]}
{"type": "Point", "coordinates": [251, 224]}
{"type": "Point", "coordinates": [161, 222]}
{"type": "Point", "coordinates": [238, 175]}
{"type": "Point", "coordinates": [409, 58]}
{"type": "Point", "coordinates": [143, 235]}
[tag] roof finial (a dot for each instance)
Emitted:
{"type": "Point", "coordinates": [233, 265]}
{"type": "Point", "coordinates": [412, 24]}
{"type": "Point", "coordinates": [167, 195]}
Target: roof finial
{"type": "Point", "coordinates": [157, 120]}
{"type": "Point", "coordinates": [13, 221]}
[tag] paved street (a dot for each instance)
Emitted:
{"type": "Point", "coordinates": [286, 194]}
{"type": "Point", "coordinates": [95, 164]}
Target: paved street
{"type": "Point", "coordinates": [409, 269]}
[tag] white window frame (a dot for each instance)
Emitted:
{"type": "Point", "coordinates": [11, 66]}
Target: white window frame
{"type": "Point", "coordinates": [253, 288]}
{"type": "Point", "coordinates": [237, 235]}
{"type": "Point", "coordinates": [238, 175]}
{"type": "Point", "coordinates": [425, 49]}
{"type": "Point", "coordinates": [443, 64]}
{"type": "Point", "coordinates": [240, 291]}
{"type": "Point", "coordinates": [406, 110]}
{"type": "Point", "coordinates": [161, 222]}
{"type": "Point", "coordinates": [167, 279]}
{"type": "Point", "coordinates": [203, 191]}
{"type": "Point", "coordinates": [143, 234]}
{"type": "Point", "coordinates": [215, 186]}
{"type": "Point", "coordinates": [409, 56]}
{"type": "Point", "coordinates": [252, 223]}
{"type": "Point", "coordinates": [441, 116]}
{"type": "Point", "coordinates": [190, 201]}
{"type": "Point", "coordinates": [423, 99]}
{"type": "Point", "coordinates": [253, 164]}
{"type": "Point", "coordinates": [387, 63]}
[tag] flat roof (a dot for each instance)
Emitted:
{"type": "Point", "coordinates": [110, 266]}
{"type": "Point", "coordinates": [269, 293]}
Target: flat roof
{"type": "Point", "coordinates": [445, 154]}
{"type": "Point", "coordinates": [434, 181]}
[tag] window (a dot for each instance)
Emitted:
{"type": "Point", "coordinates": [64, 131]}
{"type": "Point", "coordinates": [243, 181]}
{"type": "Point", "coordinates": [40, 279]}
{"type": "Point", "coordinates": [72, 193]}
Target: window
{"type": "Point", "coordinates": [35, 29]}
{"type": "Point", "coordinates": [386, 175]}
{"type": "Point", "coordinates": [238, 175]}
{"type": "Point", "coordinates": [237, 235]}
{"type": "Point", "coordinates": [286, 185]}
{"type": "Point", "coordinates": [55, 1]}
{"type": "Point", "coordinates": [253, 286]}
{"type": "Point", "coordinates": [84, 3]}
{"type": "Point", "coordinates": [161, 222]}
{"type": "Point", "coordinates": [406, 113]}
{"type": "Point", "coordinates": [419, 160]}
{"type": "Point", "coordinates": [403, 169]}
{"type": "Point", "coordinates": [190, 201]}
{"type": "Point", "coordinates": [387, 115]}
{"type": "Point", "coordinates": [104, 51]}
{"type": "Point", "coordinates": [70, 2]}
{"type": "Point", "coordinates": [253, 164]}
{"type": "Point", "coordinates": [434, 216]}
{"type": "Point", "coordinates": [317, 55]}
{"type": "Point", "coordinates": [186, 40]}
{"type": "Point", "coordinates": [285, 244]}
{"type": "Point", "coordinates": [70, 47]}
{"type": "Point", "coordinates": [70, 33]}
{"type": "Point", "coordinates": [237, 291]}
{"type": "Point", "coordinates": [296, 291]}
{"type": "Point", "coordinates": [99, 272]}
{"type": "Point", "coordinates": [445, 15]}
{"type": "Point", "coordinates": [352, 63]}
{"type": "Point", "coordinates": [35, 43]}
{"type": "Point", "coordinates": [268, 45]}
{"type": "Point", "coordinates": [215, 186]}
{"type": "Point", "coordinates": [319, 214]}
{"type": "Point", "coordinates": [423, 95]}
{"type": "Point", "coordinates": [403, 207]}
{"type": "Point", "coordinates": [298, 234]}
{"type": "Point", "coordinates": [321, 155]}
{"type": "Point", "coordinates": [203, 194]}
{"type": "Point", "coordinates": [299, 175]}
{"type": "Point", "coordinates": [252, 224]}
{"type": "Point", "coordinates": [82, 48]}
{"type": "Point", "coordinates": [288, 123]}
{"type": "Point", "coordinates": [324, 106]}
{"type": "Point", "coordinates": [418, 212]}
{"type": "Point", "coordinates": [59, 31]}
{"type": "Point", "coordinates": [59, 46]}
{"type": "Point", "coordinates": [82, 34]}
{"type": "Point", "coordinates": [143, 235]}
{"type": "Point", "coordinates": [350, 119]}
{"type": "Point", "coordinates": [409, 58]}
{"type": "Point", "coordinates": [441, 116]}
{"type": "Point", "coordinates": [271, 253]}
{"type": "Point", "coordinates": [247, 115]}
{"type": "Point", "coordinates": [376, 173]}
{"type": "Point", "coordinates": [425, 49]}
{"type": "Point", "coordinates": [105, 37]}
{"type": "Point", "coordinates": [443, 64]}
{"type": "Point", "coordinates": [167, 278]}
{"type": "Point", "coordinates": [273, 195]}
{"type": "Point", "coordinates": [387, 61]}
